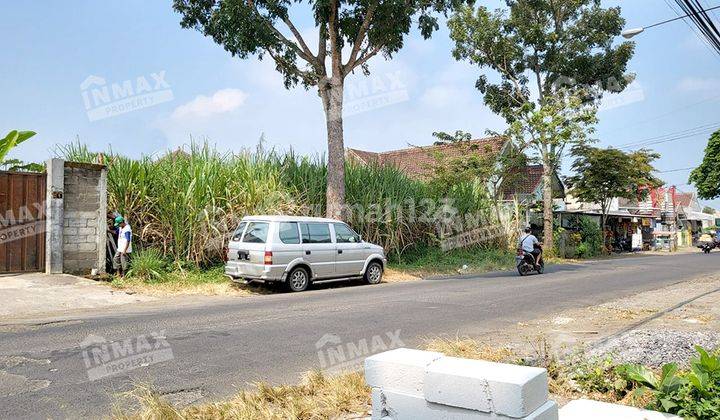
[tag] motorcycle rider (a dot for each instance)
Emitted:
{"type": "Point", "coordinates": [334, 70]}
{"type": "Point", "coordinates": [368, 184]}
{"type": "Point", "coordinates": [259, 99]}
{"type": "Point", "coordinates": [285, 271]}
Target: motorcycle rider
{"type": "Point", "coordinates": [527, 244]}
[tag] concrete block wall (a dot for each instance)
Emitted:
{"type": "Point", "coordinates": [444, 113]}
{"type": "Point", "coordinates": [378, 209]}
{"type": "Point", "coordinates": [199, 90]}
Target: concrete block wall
{"type": "Point", "coordinates": [416, 384]}
{"type": "Point", "coordinates": [76, 217]}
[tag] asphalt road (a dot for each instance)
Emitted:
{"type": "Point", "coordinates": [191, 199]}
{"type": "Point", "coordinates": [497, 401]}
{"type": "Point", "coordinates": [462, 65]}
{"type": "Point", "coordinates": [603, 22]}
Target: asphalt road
{"type": "Point", "coordinates": [219, 345]}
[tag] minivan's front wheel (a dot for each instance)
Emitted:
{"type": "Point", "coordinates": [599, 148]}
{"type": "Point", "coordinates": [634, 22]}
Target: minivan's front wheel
{"type": "Point", "coordinates": [298, 280]}
{"type": "Point", "coordinates": [374, 272]}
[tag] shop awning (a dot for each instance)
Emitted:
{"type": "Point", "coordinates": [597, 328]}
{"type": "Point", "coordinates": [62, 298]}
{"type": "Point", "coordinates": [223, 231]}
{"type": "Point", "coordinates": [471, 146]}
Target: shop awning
{"type": "Point", "coordinates": [696, 215]}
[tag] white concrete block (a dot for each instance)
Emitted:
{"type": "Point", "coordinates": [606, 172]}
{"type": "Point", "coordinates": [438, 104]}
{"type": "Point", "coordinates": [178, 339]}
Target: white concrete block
{"type": "Point", "coordinates": [388, 405]}
{"type": "Point", "coordinates": [547, 411]}
{"type": "Point", "coordinates": [511, 390]}
{"type": "Point", "coordinates": [401, 370]}
{"type": "Point", "coordinates": [596, 410]}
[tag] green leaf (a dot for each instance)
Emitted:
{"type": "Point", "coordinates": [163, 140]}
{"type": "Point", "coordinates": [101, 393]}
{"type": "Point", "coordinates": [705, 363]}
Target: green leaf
{"type": "Point", "coordinates": [668, 372]}
{"type": "Point", "coordinates": [11, 137]}
{"type": "Point", "coordinates": [695, 380]}
{"type": "Point", "coordinates": [641, 374]}
{"type": "Point", "coordinates": [24, 135]}
{"type": "Point", "coordinates": [667, 404]}
{"type": "Point", "coordinates": [709, 363]}
{"type": "Point", "coordinates": [8, 143]}
{"type": "Point", "coordinates": [639, 392]}
{"type": "Point", "coordinates": [11, 140]}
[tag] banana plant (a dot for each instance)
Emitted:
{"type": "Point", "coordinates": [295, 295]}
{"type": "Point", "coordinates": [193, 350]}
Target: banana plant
{"type": "Point", "coordinates": [11, 140]}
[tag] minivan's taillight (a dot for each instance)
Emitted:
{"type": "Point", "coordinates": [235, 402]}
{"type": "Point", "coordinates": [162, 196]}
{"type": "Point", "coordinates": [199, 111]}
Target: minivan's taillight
{"type": "Point", "coordinates": [225, 253]}
{"type": "Point", "coordinates": [268, 258]}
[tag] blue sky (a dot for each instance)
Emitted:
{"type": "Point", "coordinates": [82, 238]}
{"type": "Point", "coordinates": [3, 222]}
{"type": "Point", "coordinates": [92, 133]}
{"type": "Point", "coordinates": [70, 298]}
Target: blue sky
{"type": "Point", "coordinates": [50, 48]}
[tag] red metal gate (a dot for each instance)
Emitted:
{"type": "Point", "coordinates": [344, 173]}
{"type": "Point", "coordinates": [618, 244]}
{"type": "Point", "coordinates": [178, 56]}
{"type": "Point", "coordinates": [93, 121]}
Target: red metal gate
{"type": "Point", "coordinates": [22, 221]}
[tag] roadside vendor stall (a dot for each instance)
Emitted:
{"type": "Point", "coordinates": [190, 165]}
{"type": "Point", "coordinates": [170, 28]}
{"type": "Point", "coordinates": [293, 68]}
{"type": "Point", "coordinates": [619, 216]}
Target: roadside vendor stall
{"type": "Point", "coordinates": [625, 231]}
{"type": "Point", "coordinates": [692, 224]}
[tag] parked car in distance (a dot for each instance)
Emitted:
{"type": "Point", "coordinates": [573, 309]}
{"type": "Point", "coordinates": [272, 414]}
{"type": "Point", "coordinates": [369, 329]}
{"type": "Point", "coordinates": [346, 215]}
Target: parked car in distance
{"type": "Point", "coordinates": [299, 251]}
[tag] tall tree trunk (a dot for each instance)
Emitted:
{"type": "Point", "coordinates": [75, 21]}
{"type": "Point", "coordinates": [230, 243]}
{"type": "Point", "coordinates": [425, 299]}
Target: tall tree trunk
{"type": "Point", "coordinates": [547, 208]}
{"type": "Point", "coordinates": [331, 92]}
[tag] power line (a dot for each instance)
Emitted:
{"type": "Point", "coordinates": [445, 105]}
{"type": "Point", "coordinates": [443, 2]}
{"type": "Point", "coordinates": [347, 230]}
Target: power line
{"type": "Point", "coordinates": [676, 170]}
{"type": "Point", "coordinates": [694, 29]}
{"type": "Point", "coordinates": [663, 141]}
{"type": "Point", "coordinates": [681, 17]}
{"type": "Point", "coordinates": [715, 13]}
{"type": "Point", "coordinates": [697, 13]}
{"type": "Point", "coordinates": [678, 135]}
{"type": "Point", "coordinates": [674, 135]}
{"type": "Point", "coordinates": [666, 114]}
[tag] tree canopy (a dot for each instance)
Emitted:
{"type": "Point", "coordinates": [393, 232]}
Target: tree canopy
{"type": "Point", "coordinates": [604, 174]}
{"type": "Point", "coordinates": [554, 59]}
{"type": "Point", "coordinates": [260, 27]}
{"type": "Point", "coordinates": [498, 171]}
{"type": "Point", "coordinates": [706, 177]}
{"type": "Point", "coordinates": [349, 33]}
{"type": "Point", "coordinates": [551, 44]}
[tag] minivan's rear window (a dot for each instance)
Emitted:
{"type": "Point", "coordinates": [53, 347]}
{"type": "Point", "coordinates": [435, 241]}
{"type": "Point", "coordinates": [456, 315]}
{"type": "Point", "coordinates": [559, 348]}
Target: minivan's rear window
{"type": "Point", "coordinates": [315, 233]}
{"type": "Point", "coordinates": [289, 233]}
{"type": "Point", "coordinates": [239, 231]}
{"type": "Point", "coordinates": [256, 233]}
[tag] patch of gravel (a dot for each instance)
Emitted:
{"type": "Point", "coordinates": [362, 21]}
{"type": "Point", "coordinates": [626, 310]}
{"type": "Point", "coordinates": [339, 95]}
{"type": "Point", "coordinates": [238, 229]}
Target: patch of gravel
{"type": "Point", "coordinates": [657, 347]}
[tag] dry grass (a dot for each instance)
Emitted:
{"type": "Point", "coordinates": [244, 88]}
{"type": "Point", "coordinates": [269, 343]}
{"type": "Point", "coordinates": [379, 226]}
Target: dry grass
{"type": "Point", "coordinates": [392, 275]}
{"type": "Point", "coordinates": [225, 288]}
{"type": "Point", "coordinates": [624, 313]}
{"type": "Point", "coordinates": [346, 396]}
{"type": "Point", "coordinates": [178, 289]}
{"type": "Point", "coordinates": [317, 397]}
{"type": "Point", "coordinates": [209, 282]}
{"type": "Point", "coordinates": [468, 348]}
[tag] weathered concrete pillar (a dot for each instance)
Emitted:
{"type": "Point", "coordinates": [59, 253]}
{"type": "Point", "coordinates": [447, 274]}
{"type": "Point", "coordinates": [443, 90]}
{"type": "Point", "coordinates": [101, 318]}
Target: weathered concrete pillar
{"type": "Point", "coordinates": [102, 221]}
{"type": "Point", "coordinates": [54, 207]}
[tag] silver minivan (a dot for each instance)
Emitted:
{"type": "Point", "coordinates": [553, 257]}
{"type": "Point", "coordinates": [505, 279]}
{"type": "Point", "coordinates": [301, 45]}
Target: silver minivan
{"type": "Point", "coordinates": [299, 251]}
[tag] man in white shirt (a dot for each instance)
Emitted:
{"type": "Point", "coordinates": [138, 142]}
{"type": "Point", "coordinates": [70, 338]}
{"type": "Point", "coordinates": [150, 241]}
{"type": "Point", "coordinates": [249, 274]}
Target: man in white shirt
{"type": "Point", "coordinates": [528, 242]}
{"type": "Point", "coordinates": [121, 259]}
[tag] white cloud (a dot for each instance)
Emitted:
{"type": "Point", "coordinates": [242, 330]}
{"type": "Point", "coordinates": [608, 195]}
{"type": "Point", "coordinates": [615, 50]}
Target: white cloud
{"type": "Point", "coordinates": [697, 84]}
{"type": "Point", "coordinates": [222, 101]}
{"type": "Point", "coordinates": [443, 96]}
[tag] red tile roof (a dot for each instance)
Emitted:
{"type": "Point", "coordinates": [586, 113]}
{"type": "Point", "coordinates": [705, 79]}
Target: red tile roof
{"type": "Point", "coordinates": [683, 199]}
{"type": "Point", "coordinates": [417, 162]}
{"type": "Point", "coordinates": [529, 180]}
{"type": "Point", "coordinates": [523, 182]}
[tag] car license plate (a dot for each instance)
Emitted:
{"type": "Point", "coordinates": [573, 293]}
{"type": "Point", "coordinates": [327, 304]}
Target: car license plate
{"type": "Point", "coordinates": [244, 255]}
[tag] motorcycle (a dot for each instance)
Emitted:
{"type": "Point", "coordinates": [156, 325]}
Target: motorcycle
{"type": "Point", "coordinates": [622, 244]}
{"type": "Point", "coordinates": [707, 246]}
{"type": "Point", "coordinates": [525, 263]}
